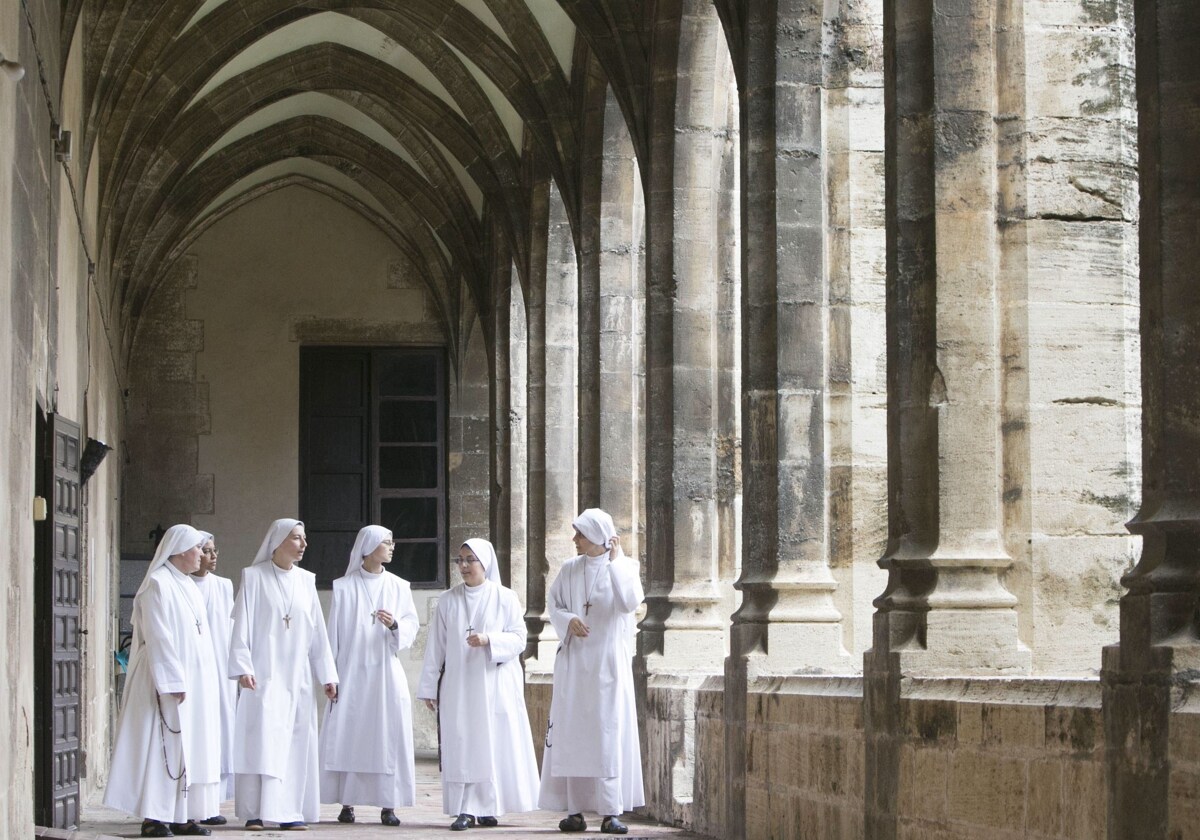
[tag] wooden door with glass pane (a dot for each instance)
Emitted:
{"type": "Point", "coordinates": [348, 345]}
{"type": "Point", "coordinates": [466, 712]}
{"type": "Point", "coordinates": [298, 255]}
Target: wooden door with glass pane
{"type": "Point", "coordinates": [373, 451]}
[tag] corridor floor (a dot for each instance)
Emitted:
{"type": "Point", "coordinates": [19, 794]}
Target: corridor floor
{"type": "Point", "coordinates": [425, 819]}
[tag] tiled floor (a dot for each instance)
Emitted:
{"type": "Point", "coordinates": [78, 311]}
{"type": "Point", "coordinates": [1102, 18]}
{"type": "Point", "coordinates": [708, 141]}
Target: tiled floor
{"type": "Point", "coordinates": [425, 819]}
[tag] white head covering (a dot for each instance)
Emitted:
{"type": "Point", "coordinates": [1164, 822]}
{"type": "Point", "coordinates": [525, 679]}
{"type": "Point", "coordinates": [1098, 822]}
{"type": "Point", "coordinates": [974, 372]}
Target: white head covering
{"type": "Point", "coordinates": [207, 536]}
{"type": "Point", "coordinates": [276, 534]}
{"type": "Point", "coordinates": [487, 556]}
{"type": "Point", "coordinates": [368, 540]}
{"type": "Point", "coordinates": [597, 526]}
{"type": "Point", "coordinates": [177, 539]}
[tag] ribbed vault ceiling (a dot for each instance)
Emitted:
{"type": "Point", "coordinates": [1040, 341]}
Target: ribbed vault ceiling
{"type": "Point", "coordinates": [418, 114]}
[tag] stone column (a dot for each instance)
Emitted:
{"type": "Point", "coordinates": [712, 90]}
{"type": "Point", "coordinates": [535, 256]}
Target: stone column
{"type": "Point", "coordinates": [945, 608]}
{"type": "Point", "coordinates": [621, 328]}
{"type": "Point", "coordinates": [560, 429]}
{"type": "Point", "coordinates": [518, 496]}
{"type": "Point", "coordinates": [787, 611]}
{"type": "Point", "coordinates": [535, 419]}
{"type": "Point", "coordinates": [500, 387]}
{"type": "Point", "coordinates": [1160, 640]}
{"type": "Point", "coordinates": [682, 624]}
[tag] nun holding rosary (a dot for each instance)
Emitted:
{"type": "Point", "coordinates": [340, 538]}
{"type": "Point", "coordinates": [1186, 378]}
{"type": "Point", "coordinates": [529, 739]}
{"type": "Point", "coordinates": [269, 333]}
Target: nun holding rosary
{"type": "Point", "coordinates": [166, 763]}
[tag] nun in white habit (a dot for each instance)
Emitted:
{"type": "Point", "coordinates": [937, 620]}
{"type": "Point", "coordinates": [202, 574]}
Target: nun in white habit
{"type": "Point", "coordinates": [217, 593]}
{"type": "Point", "coordinates": [592, 759]}
{"type": "Point", "coordinates": [367, 742]}
{"type": "Point", "coordinates": [166, 764]}
{"type": "Point", "coordinates": [476, 637]}
{"type": "Point", "coordinates": [279, 647]}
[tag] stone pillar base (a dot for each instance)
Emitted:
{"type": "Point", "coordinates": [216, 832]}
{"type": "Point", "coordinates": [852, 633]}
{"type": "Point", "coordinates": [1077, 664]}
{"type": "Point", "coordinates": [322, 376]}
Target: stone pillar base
{"type": "Point", "coordinates": [966, 643]}
{"type": "Point", "coordinates": [692, 649]}
{"type": "Point", "coordinates": [811, 647]}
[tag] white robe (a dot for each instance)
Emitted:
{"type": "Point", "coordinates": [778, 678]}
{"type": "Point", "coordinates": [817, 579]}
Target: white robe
{"type": "Point", "coordinates": [592, 731]}
{"type": "Point", "coordinates": [276, 772]}
{"type": "Point", "coordinates": [488, 764]}
{"type": "Point", "coordinates": [367, 742]}
{"type": "Point", "coordinates": [169, 656]}
{"type": "Point", "coordinates": [218, 603]}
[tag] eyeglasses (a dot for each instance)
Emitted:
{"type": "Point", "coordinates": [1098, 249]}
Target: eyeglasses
{"type": "Point", "coordinates": [388, 543]}
{"type": "Point", "coordinates": [466, 561]}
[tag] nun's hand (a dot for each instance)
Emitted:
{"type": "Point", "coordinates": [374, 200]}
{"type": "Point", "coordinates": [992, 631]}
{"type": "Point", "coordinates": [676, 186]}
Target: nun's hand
{"type": "Point", "coordinates": [577, 628]}
{"type": "Point", "coordinates": [385, 618]}
{"type": "Point", "coordinates": [431, 705]}
{"type": "Point", "coordinates": [331, 691]}
{"type": "Point", "coordinates": [478, 640]}
{"type": "Point", "coordinates": [179, 696]}
{"type": "Point", "coordinates": [614, 546]}
{"type": "Point", "coordinates": [247, 681]}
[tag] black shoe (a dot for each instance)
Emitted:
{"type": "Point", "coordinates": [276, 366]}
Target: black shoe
{"type": "Point", "coordinates": [254, 825]}
{"type": "Point", "coordinates": [489, 822]}
{"type": "Point", "coordinates": [347, 814]}
{"type": "Point", "coordinates": [463, 822]}
{"type": "Point", "coordinates": [573, 822]}
{"type": "Point", "coordinates": [388, 817]}
{"type": "Point", "coordinates": [190, 829]}
{"type": "Point", "coordinates": [298, 825]}
{"type": "Point", "coordinates": [217, 820]}
{"type": "Point", "coordinates": [612, 825]}
{"type": "Point", "coordinates": [154, 828]}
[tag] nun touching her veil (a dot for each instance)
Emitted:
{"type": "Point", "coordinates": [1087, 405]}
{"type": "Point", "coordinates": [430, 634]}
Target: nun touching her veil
{"type": "Point", "coordinates": [476, 637]}
{"type": "Point", "coordinates": [592, 760]}
{"type": "Point", "coordinates": [367, 741]}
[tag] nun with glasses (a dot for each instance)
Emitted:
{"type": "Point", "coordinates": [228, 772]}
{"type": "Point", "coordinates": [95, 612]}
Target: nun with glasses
{"type": "Point", "coordinates": [592, 760]}
{"type": "Point", "coordinates": [367, 741]}
{"type": "Point", "coordinates": [473, 679]}
{"type": "Point", "coordinates": [166, 763]}
{"type": "Point", "coordinates": [279, 647]}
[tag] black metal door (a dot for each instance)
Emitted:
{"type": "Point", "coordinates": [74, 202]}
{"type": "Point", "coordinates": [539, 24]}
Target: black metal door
{"type": "Point", "coordinates": [56, 627]}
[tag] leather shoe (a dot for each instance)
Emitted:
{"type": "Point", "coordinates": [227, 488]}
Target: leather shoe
{"type": "Point", "coordinates": [573, 822]}
{"type": "Point", "coordinates": [254, 825]}
{"type": "Point", "coordinates": [154, 828]}
{"type": "Point", "coordinates": [388, 817]}
{"type": "Point", "coordinates": [217, 820]}
{"type": "Point", "coordinates": [463, 822]}
{"type": "Point", "coordinates": [190, 829]}
{"type": "Point", "coordinates": [612, 825]}
{"type": "Point", "coordinates": [298, 825]}
{"type": "Point", "coordinates": [489, 822]}
{"type": "Point", "coordinates": [347, 814]}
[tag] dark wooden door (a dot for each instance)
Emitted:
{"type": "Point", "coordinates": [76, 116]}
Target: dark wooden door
{"type": "Point", "coordinates": [57, 628]}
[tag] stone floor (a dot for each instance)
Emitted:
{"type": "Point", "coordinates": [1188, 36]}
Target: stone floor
{"type": "Point", "coordinates": [425, 819]}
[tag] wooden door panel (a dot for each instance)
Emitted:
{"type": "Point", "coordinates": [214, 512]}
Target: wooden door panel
{"type": "Point", "coordinates": [57, 632]}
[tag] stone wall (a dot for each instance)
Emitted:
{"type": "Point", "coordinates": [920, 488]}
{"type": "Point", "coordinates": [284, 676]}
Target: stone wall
{"type": "Point", "coordinates": [55, 357]}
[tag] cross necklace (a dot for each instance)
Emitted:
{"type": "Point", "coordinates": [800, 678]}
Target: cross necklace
{"type": "Point", "coordinates": [587, 597]}
{"type": "Point", "coordinates": [191, 606]}
{"type": "Point", "coordinates": [471, 615]}
{"type": "Point", "coordinates": [366, 593]}
{"type": "Point", "coordinates": [287, 614]}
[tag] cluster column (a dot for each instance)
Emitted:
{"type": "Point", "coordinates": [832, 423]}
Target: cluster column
{"type": "Point", "coordinates": [1160, 636]}
{"type": "Point", "coordinates": [945, 609]}
{"type": "Point", "coordinates": [683, 623]}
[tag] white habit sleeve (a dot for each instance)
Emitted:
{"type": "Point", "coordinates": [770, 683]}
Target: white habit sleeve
{"type": "Point", "coordinates": [435, 654]}
{"type": "Point", "coordinates": [510, 643]}
{"type": "Point", "coordinates": [158, 642]}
